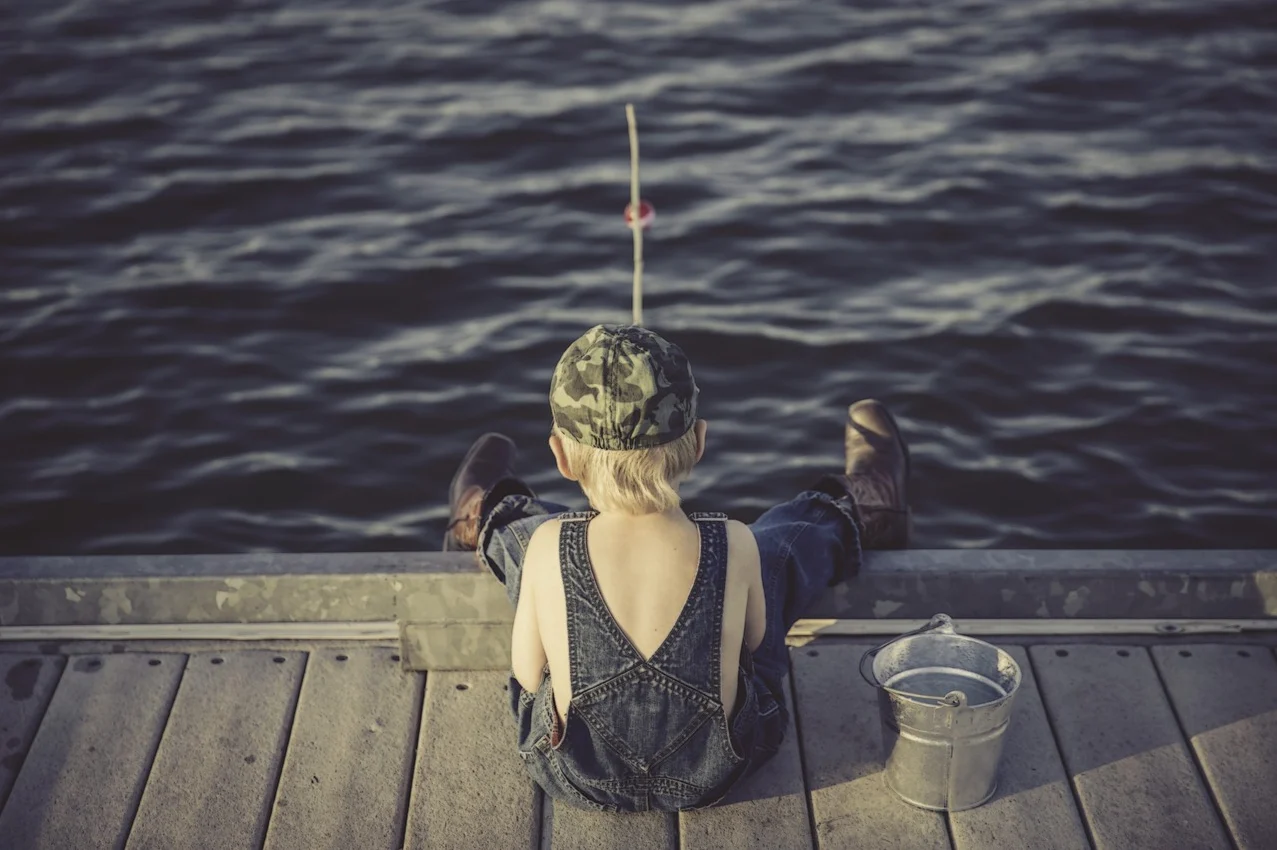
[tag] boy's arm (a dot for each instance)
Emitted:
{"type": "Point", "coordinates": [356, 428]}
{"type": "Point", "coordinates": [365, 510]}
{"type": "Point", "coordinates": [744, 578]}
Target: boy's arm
{"type": "Point", "coordinates": [755, 603]}
{"type": "Point", "coordinates": [527, 652]}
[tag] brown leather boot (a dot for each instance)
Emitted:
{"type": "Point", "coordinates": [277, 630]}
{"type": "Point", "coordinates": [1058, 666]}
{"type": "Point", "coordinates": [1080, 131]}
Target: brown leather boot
{"type": "Point", "coordinates": [877, 475]}
{"type": "Point", "coordinates": [489, 460]}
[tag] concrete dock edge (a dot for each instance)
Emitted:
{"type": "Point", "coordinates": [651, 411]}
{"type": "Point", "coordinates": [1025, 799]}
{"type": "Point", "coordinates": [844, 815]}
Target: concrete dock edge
{"type": "Point", "coordinates": [454, 616]}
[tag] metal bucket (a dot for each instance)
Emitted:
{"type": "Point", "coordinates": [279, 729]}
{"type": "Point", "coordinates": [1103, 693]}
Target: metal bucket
{"type": "Point", "coordinates": [944, 700]}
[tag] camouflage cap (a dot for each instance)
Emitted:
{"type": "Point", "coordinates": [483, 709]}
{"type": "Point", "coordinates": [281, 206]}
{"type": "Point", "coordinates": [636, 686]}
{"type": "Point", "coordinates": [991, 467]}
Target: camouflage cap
{"type": "Point", "coordinates": [623, 388]}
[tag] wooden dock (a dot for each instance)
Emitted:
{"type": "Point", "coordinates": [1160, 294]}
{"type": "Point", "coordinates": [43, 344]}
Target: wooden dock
{"type": "Point", "coordinates": [1116, 743]}
{"type": "Point", "coordinates": [357, 701]}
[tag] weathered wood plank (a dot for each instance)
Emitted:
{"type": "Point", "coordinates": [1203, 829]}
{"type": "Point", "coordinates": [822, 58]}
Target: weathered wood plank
{"type": "Point", "coordinates": [577, 829]}
{"type": "Point", "coordinates": [768, 811]}
{"type": "Point", "coordinates": [28, 683]}
{"type": "Point", "coordinates": [842, 756]}
{"type": "Point", "coordinates": [1033, 808]}
{"type": "Point", "coordinates": [1226, 699]}
{"type": "Point", "coordinates": [1134, 777]}
{"type": "Point", "coordinates": [348, 769]}
{"type": "Point", "coordinates": [469, 786]}
{"type": "Point", "coordinates": [218, 764]}
{"type": "Point", "coordinates": [86, 768]}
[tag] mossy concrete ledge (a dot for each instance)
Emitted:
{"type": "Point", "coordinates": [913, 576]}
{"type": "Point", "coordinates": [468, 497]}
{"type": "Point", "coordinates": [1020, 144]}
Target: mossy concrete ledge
{"type": "Point", "coordinates": [253, 588]}
{"type": "Point", "coordinates": [450, 587]}
{"type": "Point", "coordinates": [452, 615]}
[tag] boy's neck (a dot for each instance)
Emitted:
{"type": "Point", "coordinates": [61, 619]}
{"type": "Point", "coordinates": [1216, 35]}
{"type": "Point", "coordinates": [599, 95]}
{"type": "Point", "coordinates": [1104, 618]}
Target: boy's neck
{"type": "Point", "coordinates": [672, 515]}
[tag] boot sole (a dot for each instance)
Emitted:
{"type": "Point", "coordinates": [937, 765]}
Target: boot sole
{"type": "Point", "coordinates": [474, 450]}
{"type": "Point", "coordinates": [904, 445]}
{"type": "Point", "coordinates": [449, 541]}
{"type": "Point", "coordinates": [908, 475]}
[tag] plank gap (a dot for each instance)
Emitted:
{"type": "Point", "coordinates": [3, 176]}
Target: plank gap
{"type": "Point", "coordinates": [415, 742]}
{"type": "Point", "coordinates": [150, 762]}
{"type": "Point", "coordinates": [1064, 759]}
{"type": "Point", "coordinates": [547, 822]}
{"type": "Point", "coordinates": [43, 711]}
{"type": "Point", "coordinates": [416, 755]}
{"type": "Point", "coordinates": [288, 742]}
{"type": "Point", "coordinates": [1229, 708]}
{"type": "Point", "coordinates": [1193, 754]}
{"type": "Point", "coordinates": [538, 809]}
{"type": "Point", "coordinates": [802, 758]}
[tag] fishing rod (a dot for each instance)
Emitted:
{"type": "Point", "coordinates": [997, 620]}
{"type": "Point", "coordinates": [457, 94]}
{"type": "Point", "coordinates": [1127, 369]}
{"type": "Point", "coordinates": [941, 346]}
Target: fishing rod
{"type": "Point", "coordinates": [646, 213]}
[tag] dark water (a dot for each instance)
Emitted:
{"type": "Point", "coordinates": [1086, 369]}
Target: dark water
{"type": "Point", "coordinates": [268, 267]}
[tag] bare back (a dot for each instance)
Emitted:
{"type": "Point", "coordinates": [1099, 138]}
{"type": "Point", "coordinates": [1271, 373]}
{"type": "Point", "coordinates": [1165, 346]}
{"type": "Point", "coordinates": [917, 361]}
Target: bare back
{"type": "Point", "coordinates": [645, 567]}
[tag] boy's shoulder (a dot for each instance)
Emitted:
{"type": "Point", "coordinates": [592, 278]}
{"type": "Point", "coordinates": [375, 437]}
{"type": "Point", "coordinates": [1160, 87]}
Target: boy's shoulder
{"type": "Point", "coordinates": [741, 537]}
{"type": "Point", "coordinates": [741, 542]}
{"type": "Point", "coordinates": [543, 544]}
{"type": "Point", "coordinates": [546, 533]}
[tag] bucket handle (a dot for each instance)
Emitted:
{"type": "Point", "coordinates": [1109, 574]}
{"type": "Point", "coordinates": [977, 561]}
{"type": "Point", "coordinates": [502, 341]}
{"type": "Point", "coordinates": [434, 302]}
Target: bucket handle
{"type": "Point", "coordinates": [941, 623]}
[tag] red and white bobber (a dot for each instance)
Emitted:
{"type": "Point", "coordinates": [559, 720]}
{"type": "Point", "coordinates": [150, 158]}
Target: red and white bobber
{"type": "Point", "coordinates": [647, 214]}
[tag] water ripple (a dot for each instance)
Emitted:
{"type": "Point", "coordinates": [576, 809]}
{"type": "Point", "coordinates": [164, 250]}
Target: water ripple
{"type": "Point", "coordinates": [270, 266]}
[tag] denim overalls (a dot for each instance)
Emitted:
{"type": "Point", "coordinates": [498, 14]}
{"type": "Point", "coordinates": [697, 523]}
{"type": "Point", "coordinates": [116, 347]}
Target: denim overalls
{"type": "Point", "coordinates": [654, 735]}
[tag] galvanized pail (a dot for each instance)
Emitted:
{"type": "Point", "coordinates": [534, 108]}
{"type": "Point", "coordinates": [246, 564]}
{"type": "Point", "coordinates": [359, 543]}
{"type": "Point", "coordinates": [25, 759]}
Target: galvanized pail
{"type": "Point", "coordinates": [945, 702]}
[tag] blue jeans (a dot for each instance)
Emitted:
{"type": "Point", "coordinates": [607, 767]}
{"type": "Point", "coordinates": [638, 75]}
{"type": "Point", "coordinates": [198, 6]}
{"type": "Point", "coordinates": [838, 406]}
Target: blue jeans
{"type": "Point", "coordinates": [805, 545]}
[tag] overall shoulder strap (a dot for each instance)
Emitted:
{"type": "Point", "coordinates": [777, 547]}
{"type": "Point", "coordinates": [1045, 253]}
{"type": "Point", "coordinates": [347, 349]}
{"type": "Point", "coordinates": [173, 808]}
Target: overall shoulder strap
{"type": "Point", "coordinates": [692, 651]}
{"type": "Point", "coordinates": [697, 516]}
{"type": "Point", "coordinates": [574, 557]}
{"type": "Point", "coordinates": [597, 648]}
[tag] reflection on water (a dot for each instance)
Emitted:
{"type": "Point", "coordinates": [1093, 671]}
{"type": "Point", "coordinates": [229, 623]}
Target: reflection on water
{"type": "Point", "coordinates": [269, 266]}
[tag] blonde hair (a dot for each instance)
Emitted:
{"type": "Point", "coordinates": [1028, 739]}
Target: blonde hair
{"type": "Point", "coordinates": [634, 481]}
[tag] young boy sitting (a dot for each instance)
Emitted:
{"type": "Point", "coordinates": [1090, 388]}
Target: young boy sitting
{"type": "Point", "coordinates": [648, 651]}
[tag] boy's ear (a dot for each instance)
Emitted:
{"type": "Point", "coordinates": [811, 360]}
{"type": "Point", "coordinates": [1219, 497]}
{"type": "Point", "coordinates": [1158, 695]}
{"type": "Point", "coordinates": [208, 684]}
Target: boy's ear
{"type": "Point", "coordinates": [700, 426]}
{"type": "Point", "coordinates": [560, 460]}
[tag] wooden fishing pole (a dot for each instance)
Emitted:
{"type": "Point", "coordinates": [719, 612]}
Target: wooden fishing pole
{"type": "Point", "coordinates": [635, 215]}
